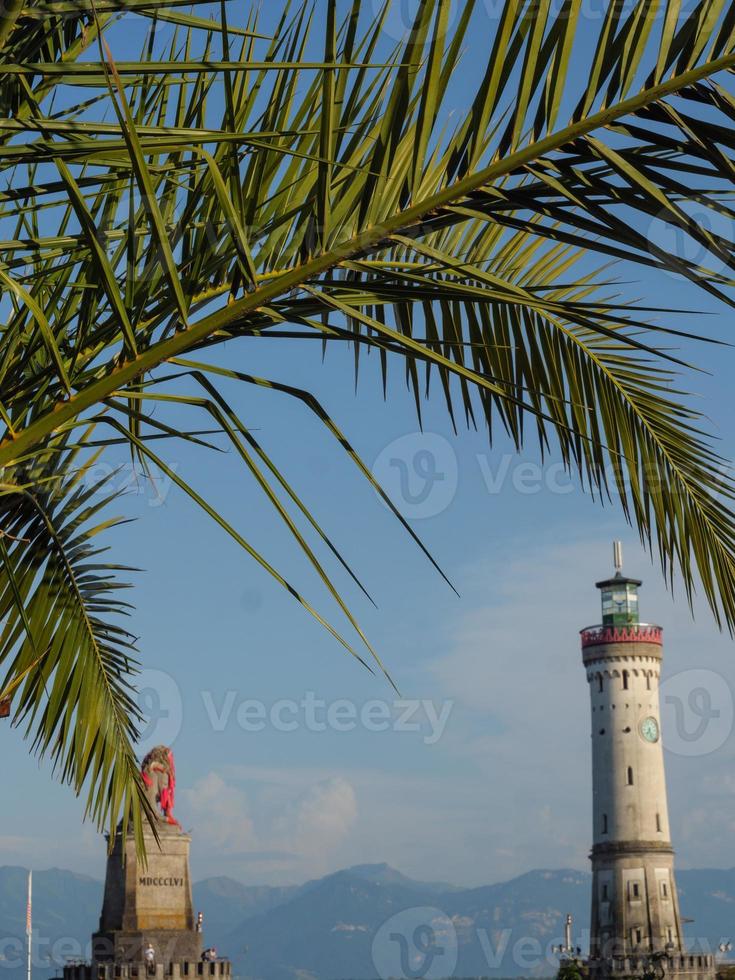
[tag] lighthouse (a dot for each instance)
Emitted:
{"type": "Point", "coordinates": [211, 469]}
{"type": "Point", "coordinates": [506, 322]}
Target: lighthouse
{"type": "Point", "coordinates": [635, 919]}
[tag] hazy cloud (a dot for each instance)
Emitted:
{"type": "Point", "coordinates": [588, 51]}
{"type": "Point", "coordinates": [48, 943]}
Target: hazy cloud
{"type": "Point", "coordinates": [298, 836]}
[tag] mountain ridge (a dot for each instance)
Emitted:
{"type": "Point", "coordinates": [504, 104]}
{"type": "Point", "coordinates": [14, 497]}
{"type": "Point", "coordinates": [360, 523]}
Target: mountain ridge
{"type": "Point", "coordinates": [358, 922]}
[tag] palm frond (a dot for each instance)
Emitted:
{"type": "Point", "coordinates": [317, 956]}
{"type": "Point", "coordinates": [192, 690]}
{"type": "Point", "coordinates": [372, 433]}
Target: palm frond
{"type": "Point", "coordinates": [68, 660]}
{"type": "Point", "coordinates": [237, 184]}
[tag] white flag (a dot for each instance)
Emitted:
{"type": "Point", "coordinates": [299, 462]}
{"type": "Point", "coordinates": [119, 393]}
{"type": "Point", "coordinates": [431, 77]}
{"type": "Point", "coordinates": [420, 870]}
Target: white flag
{"type": "Point", "coordinates": [29, 906]}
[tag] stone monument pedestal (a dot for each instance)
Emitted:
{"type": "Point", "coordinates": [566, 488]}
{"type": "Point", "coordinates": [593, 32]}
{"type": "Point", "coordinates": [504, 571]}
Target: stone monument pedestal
{"type": "Point", "coordinates": [148, 902]}
{"type": "Point", "coordinates": [147, 929]}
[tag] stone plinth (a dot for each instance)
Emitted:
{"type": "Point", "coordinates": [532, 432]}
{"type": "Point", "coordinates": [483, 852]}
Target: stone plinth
{"type": "Point", "coordinates": [148, 902]}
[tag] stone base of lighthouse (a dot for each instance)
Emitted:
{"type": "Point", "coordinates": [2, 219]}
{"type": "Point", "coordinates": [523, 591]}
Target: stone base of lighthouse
{"type": "Point", "coordinates": [635, 916]}
{"type": "Point", "coordinates": [676, 966]}
{"type": "Point", "coordinates": [634, 899]}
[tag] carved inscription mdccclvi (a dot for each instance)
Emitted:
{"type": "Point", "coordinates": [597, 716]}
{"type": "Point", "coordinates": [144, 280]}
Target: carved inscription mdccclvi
{"type": "Point", "coordinates": [166, 882]}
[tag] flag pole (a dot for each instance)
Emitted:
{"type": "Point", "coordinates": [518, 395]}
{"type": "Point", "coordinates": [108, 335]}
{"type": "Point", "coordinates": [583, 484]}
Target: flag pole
{"type": "Point", "coordinates": [29, 921]}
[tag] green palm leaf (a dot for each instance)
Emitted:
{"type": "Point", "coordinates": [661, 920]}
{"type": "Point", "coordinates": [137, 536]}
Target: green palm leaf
{"type": "Point", "coordinates": [68, 659]}
{"type": "Point", "coordinates": [233, 186]}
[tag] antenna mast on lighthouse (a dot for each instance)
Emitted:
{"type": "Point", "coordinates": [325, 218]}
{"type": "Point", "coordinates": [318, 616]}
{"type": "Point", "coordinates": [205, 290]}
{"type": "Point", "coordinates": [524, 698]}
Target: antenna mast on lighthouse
{"type": "Point", "coordinates": [618, 556]}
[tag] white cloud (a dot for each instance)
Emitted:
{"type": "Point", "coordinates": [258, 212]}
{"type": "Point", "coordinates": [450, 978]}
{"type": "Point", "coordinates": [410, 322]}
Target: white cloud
{"type": "Point", "coordinates": [221, 810]}
{"type": "Point", "coordinates": [326, 814]}
{"type": "Point", "coordinates": [295, 833]}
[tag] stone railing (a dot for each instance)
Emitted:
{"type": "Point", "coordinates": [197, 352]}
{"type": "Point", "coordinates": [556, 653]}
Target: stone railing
{"type": "Point", "coordinates": [185, 970]}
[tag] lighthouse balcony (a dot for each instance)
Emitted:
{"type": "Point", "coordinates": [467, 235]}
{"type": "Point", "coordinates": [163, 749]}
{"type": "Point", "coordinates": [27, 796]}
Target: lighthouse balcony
{"type": "Point", "coordinates": [593, 636]}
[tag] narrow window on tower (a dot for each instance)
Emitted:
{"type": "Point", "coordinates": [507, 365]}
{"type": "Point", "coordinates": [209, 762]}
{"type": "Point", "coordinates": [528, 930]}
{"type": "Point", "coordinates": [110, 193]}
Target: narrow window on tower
{"type": "Point", "coordinates": [658, 823]}
{"type": "Point", "coordinates": [671, 935]}
{"type": "Point", "coordinates": [638, 937]}
{"type": "Point", "coordinates": [625, 680]}
{"type": "Point", "coordinates": [630, 775]}
{"type": "Point", "coordinates": [664, 890]}
{"type": "Point", "coordinates": [648, 682]}
{"type": "Point", "coordinates": [599, 683]}
{"type": "Point", "coordinates": [604, 823]}
{"type": "Point", "coordinates": [604, 893]}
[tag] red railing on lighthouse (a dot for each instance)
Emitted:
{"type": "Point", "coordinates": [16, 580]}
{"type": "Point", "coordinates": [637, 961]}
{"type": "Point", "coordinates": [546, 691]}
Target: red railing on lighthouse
{"type": "Point", "coordinates": [634, 633]}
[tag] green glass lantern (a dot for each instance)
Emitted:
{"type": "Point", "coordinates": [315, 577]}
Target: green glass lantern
{"type": "Point", "coordinates": [619, 601]}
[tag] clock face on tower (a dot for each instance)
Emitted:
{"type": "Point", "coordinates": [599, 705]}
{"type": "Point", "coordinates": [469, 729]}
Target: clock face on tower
{"type": "Point", "coordinates": [649, 729]}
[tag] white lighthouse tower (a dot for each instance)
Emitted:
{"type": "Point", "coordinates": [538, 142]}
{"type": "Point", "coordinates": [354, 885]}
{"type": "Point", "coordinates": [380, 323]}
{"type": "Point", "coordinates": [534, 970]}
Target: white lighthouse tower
{"type": "Point", "coordinates": [635, 924]}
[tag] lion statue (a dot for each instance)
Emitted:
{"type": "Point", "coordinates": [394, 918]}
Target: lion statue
{"type": "Point", "coordinates": [159, 777]}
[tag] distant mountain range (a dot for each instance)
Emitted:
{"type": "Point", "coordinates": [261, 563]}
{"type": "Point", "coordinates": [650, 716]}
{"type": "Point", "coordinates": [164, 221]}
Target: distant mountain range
{"type": "Point", "coordinates": [363, 922]}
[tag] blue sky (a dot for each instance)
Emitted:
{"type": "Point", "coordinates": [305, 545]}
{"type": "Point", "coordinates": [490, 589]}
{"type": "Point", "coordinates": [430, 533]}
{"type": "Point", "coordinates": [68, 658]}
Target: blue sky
{"type": "Point", "coordinates": [481, 771]}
